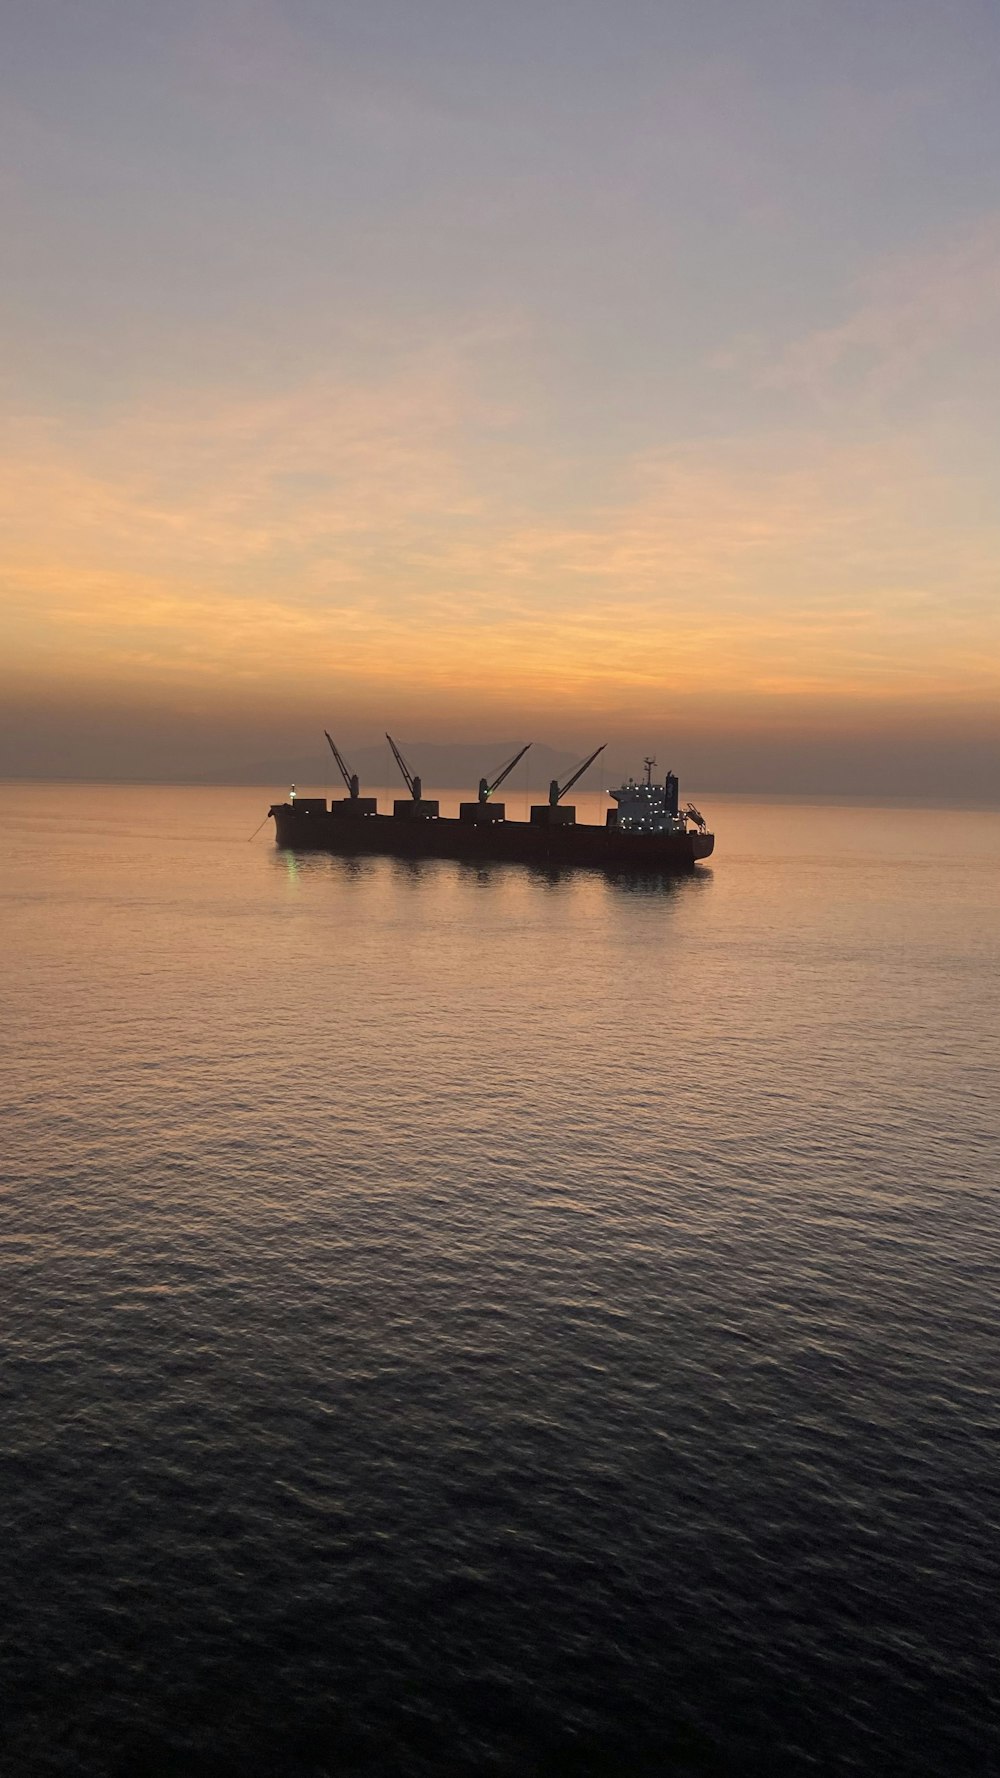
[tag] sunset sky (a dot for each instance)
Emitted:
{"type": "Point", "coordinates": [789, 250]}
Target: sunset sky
{"type": "Point", "coordinates": [568, 370]}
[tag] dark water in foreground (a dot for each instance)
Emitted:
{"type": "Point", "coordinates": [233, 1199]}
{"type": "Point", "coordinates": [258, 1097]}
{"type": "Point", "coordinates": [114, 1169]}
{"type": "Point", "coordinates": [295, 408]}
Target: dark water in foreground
{"type": "Point", "coordinates": [461, 1321]}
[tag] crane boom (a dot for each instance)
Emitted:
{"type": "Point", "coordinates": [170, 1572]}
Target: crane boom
{"type": "Point", "coordinates": [487, 788]}
{"type": "Point", "coordinates": [350, 778]}
{"type": "Point", "coordinates": [412, 781]}
{"type": "Point", "coordinates": [557, 791]}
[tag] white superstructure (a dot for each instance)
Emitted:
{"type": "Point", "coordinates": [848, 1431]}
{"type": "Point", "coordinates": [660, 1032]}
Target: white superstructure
{"type": "Point", "coordinates": [653, 808]}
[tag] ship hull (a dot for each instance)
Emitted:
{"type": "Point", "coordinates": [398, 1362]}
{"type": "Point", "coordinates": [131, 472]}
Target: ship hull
{"type": "Point", "coordinates": [513, 842]}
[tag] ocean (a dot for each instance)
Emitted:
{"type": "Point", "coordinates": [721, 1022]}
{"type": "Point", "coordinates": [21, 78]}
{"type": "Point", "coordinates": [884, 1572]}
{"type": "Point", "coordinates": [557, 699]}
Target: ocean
{"type": "Point", "coordinates": [476, 1321]}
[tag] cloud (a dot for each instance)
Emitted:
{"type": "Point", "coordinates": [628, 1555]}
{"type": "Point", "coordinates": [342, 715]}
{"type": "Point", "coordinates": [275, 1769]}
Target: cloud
{"type": "Point", "coordinates": [913, 310]}
{"type": "Point", "coordinates": [379, 534]}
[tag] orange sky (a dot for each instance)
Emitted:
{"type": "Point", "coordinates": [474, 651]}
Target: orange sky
{"type": "Point", "coordinates": [473, 503]}
{"type": "Point", "coordinates": [332, 551]}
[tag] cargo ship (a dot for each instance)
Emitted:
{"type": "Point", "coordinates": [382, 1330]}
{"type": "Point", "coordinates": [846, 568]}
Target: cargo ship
{"type": "Point", "coordinates": [646, 831]}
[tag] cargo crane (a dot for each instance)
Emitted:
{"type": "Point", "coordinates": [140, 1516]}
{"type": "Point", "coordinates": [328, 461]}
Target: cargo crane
{"type": "Point", "coordinates": [484, 812]}
{"type": "Point", "coordinates": [350, 778]}
{"type": "Point", "coordinates": [353, 804]}
{"type": "Point", "coordinates": [486, 790]}
{"type": "Point", "coordinates": [556, 793]}
{"type": "Point", "coordinates": [418, 807]}
{"type": "Point", "coordinates": [695, 815]}
{"type": "Point", "coordinates": [413, 784]}
{"type": "Point", "coordinates": [556, 813]}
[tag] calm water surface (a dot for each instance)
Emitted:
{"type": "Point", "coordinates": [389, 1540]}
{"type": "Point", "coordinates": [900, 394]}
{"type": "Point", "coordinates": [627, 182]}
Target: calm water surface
{"type": "Point", "coordinates": [463, 1320]}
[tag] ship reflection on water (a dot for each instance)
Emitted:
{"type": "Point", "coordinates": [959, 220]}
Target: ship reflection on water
{"type": "Point", "coordinates": [365, 870]}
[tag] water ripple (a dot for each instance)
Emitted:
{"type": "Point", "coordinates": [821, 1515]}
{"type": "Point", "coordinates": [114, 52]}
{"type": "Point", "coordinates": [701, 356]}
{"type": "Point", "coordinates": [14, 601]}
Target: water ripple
{"type": "Point", "coordinates": [466, 1322]}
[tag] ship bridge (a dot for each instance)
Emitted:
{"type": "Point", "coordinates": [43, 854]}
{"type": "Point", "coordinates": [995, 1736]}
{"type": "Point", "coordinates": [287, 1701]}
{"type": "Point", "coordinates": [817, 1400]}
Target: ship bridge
{"type": "Point", "coordinates": [647, 807]}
